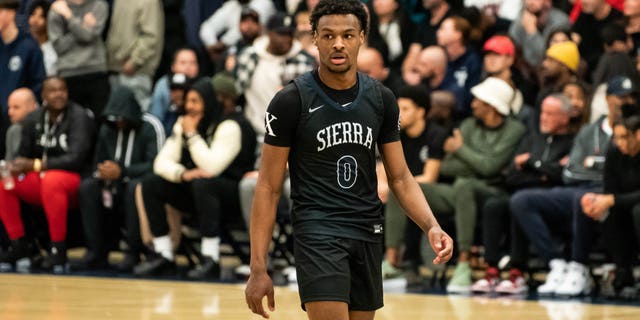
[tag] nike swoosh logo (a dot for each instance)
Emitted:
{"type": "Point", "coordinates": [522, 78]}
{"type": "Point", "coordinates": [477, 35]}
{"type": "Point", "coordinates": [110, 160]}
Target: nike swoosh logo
{"type": "Point", "coordinates": [316, 108]}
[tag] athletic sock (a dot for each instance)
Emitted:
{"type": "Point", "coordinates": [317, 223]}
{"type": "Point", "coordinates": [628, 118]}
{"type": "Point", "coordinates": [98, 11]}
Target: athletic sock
{"type": "Point", "coordinates": [163, 246]}
{"type": "Point", "coordinates": [211, 248]}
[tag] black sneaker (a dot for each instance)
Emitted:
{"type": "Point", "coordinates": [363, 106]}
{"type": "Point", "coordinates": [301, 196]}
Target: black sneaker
{"type": "Point", "coordinates": [56, 260]}
{"type": "Point", "coordinates": [155, 265]}
{"type": "Point", "coordinates": [90, 261]}
{"type": "Point", "coordinates": [206, 269]}
{"type": "Point", "coordinates": [624, 283]}
{"type": "Point", "coordinates": [129, 262]}
{"type": "Point", "coordinates": [16, 256]}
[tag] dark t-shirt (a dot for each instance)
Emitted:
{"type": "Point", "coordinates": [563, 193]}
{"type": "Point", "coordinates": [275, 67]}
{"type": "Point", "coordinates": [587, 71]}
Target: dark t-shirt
{"type": "Point", "coordinates": [592, 46]}
{"type": "Point", "coordinates": [332, 135]}
{"type": "Point", "coordinates": [428, 145]}
{"type": "Point", "coordinates": [622, 178]}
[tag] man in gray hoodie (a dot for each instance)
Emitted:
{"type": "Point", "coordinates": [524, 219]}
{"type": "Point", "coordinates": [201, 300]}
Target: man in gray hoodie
{"type": "Point", "coordinates": [75, 30]}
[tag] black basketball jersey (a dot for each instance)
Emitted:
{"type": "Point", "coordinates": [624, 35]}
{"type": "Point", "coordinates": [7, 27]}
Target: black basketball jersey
{"type": "Point", "coordinates": [332, 160]}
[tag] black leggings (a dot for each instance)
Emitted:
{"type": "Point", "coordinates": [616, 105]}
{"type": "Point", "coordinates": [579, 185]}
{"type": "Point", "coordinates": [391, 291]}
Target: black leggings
{"type": "Point", "coordinates": [208, 198]}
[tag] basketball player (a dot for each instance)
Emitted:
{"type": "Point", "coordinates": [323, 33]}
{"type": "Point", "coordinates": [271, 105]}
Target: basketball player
{"type": "Point", "coordinates": [326, 125]}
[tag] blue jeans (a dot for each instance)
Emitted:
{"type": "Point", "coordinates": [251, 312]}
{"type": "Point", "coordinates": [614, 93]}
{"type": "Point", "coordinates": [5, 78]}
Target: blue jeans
{"type": "Point", "coordinates": [541, 211]}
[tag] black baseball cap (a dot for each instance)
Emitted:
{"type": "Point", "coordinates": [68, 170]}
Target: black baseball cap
{"type": "Point", "coordinates": [248, 13]}
{"type": "Point", "coordinates": [9, 4]}
{"type": "Point", "coordinates": [282, 23]}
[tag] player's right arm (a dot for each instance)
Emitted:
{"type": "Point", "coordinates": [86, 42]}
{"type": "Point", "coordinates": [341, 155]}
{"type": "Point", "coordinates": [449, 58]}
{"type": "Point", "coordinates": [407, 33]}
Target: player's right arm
{"type": "Point", "coordinates": [280, 123]}
{"type": "Point", "coordinates": [263, 215]}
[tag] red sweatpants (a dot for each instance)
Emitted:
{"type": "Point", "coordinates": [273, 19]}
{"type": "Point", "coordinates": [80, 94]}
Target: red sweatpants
{"type": "Point", "coordinates": [56, 191]}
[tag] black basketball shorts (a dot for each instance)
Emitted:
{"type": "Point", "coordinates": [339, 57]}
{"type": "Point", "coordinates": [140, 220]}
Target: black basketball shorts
{"type": "Point", "coordinates": [330, 268]}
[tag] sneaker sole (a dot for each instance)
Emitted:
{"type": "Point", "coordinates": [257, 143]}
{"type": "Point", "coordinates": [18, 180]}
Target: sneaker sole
{"type": "Point", "coordinates": [458, 289]}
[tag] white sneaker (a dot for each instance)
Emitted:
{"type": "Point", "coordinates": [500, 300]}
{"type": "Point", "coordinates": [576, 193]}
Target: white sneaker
{"type": "Point", "coordinates": [488, 283]}
{"type": "Point", "coordinates": [515, 285]}
{"type": "Point", "coordinates": [576, 282]}
{"type": "Point", "coordinates": [554, 278]}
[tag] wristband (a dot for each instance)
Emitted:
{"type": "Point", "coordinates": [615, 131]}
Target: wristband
{"type": "Point", "coordinates": [37, 165]}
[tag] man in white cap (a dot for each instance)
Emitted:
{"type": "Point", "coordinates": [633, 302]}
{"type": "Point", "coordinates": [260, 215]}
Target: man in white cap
{"type": "Point", "coordinates": [475, 156]}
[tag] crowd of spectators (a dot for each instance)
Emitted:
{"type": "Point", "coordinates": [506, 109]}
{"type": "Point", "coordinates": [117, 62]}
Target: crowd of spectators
{"type": "Point", "coordinates": [519, 118]}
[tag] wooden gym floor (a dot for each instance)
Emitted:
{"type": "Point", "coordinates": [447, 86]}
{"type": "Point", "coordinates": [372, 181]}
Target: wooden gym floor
{"type": "Point", "coordinates": [72, 297]}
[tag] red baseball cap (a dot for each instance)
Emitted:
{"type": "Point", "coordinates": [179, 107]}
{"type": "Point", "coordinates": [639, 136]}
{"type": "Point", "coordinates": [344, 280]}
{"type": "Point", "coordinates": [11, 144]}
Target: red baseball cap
{"type": "Point", "coordinates": [500, 45]}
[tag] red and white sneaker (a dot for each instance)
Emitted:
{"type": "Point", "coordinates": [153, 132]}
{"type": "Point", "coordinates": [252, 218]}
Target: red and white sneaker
{"type": "Point", "coordinates": [488, 283]}
{"type": "Point", "coordinates": [515, 285]}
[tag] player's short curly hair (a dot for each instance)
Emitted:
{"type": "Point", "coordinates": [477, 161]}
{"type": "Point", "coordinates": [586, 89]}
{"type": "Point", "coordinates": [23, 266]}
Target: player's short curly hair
{"type": "Point", "coordinates": [340, 7]}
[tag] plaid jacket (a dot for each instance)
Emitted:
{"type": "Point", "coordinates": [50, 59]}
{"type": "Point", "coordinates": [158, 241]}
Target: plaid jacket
{"type": "Point", "coordinates": [248, 61]}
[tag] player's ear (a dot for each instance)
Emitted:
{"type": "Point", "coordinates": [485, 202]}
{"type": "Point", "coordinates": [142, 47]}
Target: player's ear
{"type": "Point", "coordinates": [314, 38]}
{"type": "Point", "coordinates": [363, 38]}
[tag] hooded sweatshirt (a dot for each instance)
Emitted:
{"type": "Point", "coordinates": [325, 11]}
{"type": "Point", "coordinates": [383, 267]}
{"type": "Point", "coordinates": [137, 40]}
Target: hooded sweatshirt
{"type": "Point", "coordinates": [224, 145]}
{"type": "Point", "coordinates": [21, 65]}
{"type": "Point", "coordinates": [587, 157]}
{"type": "Point", "coordinates": [134, 147]}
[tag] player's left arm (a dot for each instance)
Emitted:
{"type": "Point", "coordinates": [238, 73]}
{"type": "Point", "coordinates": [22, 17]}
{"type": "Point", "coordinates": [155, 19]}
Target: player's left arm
{"type": "Point", "coordinates": [412, 200]}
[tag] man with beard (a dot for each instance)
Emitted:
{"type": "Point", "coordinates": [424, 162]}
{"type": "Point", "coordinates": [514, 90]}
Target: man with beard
{"type": "Point", "coordinates": [531, 29]}
{"type": "Point", "coordinates": [432, 67]}
{"type": "Point", "coordinates": [250, 29]}
{"type": "Point", "coordinates": [222, 29]}
{"type": "Point", "coordinates": [268, 65]}
{"type": "Point", "coordinates": [55, 149]}
{"type": "Point", "coordinates": [371, 63]}
{"type": "Point", "coordinates": [558, 68]}
{"type": "Point", "coordinates": [437, 11]}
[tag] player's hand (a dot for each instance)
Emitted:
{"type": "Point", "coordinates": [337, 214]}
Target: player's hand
{"type": "Point", "coordinates": [258, 286]}
{"type": "Point", "coordinates": [441, 243]}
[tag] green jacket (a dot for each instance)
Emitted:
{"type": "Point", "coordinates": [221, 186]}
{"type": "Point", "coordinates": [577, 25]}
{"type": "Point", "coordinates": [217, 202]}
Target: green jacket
{"type": "Point", "coordinates": [485, 152]}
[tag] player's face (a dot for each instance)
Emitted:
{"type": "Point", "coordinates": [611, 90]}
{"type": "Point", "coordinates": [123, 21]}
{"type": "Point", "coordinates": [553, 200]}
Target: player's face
{"type": "Point", "coordinates": [338, 39]}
